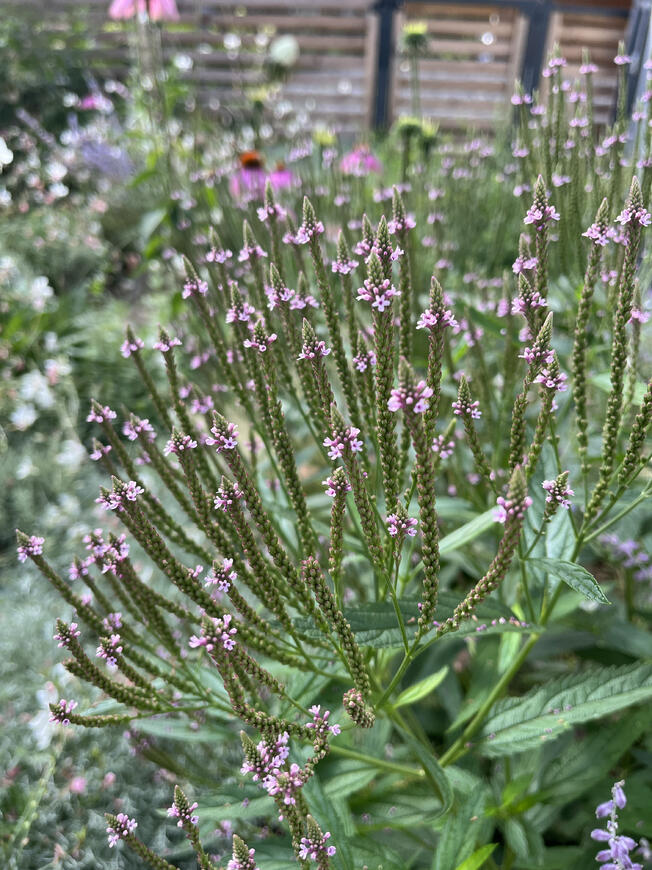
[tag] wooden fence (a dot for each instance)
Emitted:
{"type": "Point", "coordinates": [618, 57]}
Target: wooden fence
{"type": "Point", "coordinates": [350, 72]}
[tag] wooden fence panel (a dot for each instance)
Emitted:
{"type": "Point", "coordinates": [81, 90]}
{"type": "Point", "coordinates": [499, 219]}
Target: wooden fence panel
{"type": "Point", "coordinates": [475, 53]}
{"type": "Point", "coordinates": [473, 56]}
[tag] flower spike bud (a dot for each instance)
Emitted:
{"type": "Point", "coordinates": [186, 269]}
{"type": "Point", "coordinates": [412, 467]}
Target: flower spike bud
{"type": "Point", "coordinates": [311, 227]}
{"type": "Point", "coordinates": [248, 236]}
{"type": "Point", "coordinates": [275, 278]}
{"type": "Point", "coordinates": [401, 222]}
{"type": "Point", "coordinates": [314, 847]}
{"type": "Point", "coordinates": [243, 856]}
{"type": "Point", "coordinates": [182, 809]}
{"type": "Point", "coordinates": [382, 248]}
{"type": "Point", "coordinates": [357, 710]}
{"type": "Point", "coordinates": [366, 243]}
{"type": "Point", "coordinates": [121, 827]}
{"type": "Point", "coordinates": [343, 264]}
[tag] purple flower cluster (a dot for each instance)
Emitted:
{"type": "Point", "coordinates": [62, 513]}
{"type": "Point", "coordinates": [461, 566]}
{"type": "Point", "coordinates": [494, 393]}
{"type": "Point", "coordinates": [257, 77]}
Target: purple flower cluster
{"type": "Point", "coordinates": [114, 500]}
{"type": "Point", "coordinates": [66, 633]}
{"type": "Point", "coordinates": [99, 414]}
{"type": "Point", "coordinates": [34, 547]}
{"type": "Point", "coordinates": [249, 864]}
{"type": "Point", "coordinates": [121, 828]}
{"type": "Point", "coordinates": [185, 816]}
{"type": "Point", "coordinates": [540, 216]}
{"type": "Point", "coordinates": [634, 216]}
{"type": "Point", "coordinates": [631, 553]}
{"type": "Point", "coordinates": [109, 649]}
{"type": "Point", "coordinates": [251, 252]}
{"type": "Point", "coordinates": [320, 724]}
{"type": "Point", "coordinates": [314, 349]}
{"type": "Point", "coordinates": [343, 267]}
{"type": "Point", "coordinates": [398, 225]}
{"type": "Point", "coordinates": [165, 344]}
{"type": "Point", "coordinates": [413, 398]}
{"type": "Point", "coordinates": [260, 344]}
{"type": "Point", "coordinates": [554, 380]}
{"type": "Point", "coordinates": [335, 487]}
{"type": "Point", "coordinates": [218, 256]}
{"type": "Point", "coordinates": [194, 287]}
{"type": "Point", "coordinates": [598, 233]}
{"type": "Point", "coordinates": [60, 711]}
{"type": "Point", "coordinates": [468, 409]}
{"type": "Point", "coordinates": [508, 509]}
{"type": "Point", "coordinates": [431, 319]}
{"type": "Point", "coordinates": [134, 427]}
{"type": "Point", "coordinates": [312, 848]}
{"type": "Point", "coordinates": [221, 577]}
{"type": "Point", "coordinates": [179, 444]}
{"type": "Point", "coordinates": [224, 498]}
{"type": "Point", "coordinates": [307, 231]}
{"type": "Point", "coordinates": [524, 303]}
{"type": "Point", "coordinates": [272, 210]}
{"type": "Point", "coordinates": [224, 440]}
{"type": "Point", "coordinates": [364, 360]}
{"type": "Point", "coordinates": [217, 632]}
{"type": "Point", "coordinates": [379, 295]}
{"type": "Point", "coordinates": [533, 355]}
{"type": "Point", "coordinates": [616, 856]}
{"type": "Point", "coordinates": [270, 771]}
{"type": "Point", "coordinates": [289, 297]}
{"type": "Point", "coordinates": [241, 312]}
{"type": "Point", "coordinates": [557, 493]}
{"type": "Point", "coordinates": [442, 447]}
{"type": "Point", "coordinates": [399, 526]}
{"type": "Point", "coordinates": [343, 441]}
{"type": "Point", "coordinates": [128, 347]}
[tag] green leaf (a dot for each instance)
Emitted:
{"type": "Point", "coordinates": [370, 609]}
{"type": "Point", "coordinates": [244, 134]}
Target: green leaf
{"type": "Point", "coordinates": [468, 532]}
{"type": "Point", "coordinates": [519, 724]}
{"type": "Point", "coordinates": [478, 858]}
{"type": "Point", "coordinates": [460, 834]}
{"type": "Point", "coordinates": [603, 382]}
{"type": "Point", "coordinates": [419, 690]}
{"type": "Point", "coordinates": [573, 575]}
{"type": "Point", "coordinates": [434, 772]}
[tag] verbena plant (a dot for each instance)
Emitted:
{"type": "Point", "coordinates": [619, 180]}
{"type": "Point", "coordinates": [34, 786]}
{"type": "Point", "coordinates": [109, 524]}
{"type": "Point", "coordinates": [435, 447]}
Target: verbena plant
{"type": "Point", "coordinates": [364, 640]}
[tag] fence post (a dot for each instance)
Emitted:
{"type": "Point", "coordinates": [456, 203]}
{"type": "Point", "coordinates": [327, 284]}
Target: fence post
{"type": "Point", "coordinates": [385, 9]}
{"type": "Point", "coordinates": [535, 45]}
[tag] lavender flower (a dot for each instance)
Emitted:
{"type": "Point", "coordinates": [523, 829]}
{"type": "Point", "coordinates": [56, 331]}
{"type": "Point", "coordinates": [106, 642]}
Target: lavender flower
{"type": "Point", "coordinates": [222, 577]}
{"type": "Point", "coordinates": [558, 490]}
{"type": "Point", "coordinates": [30, 547]}
{"type": "Point", "coordinates": [341, 441]}
{"type": "Point", "coordinates": [121, 828]}
{"type": "Point", "coordinates": [399, 526]}
{"type": "Point", "coordinates": [60, 712]}
{"type": "Point", "coordinates": [616, 856]}
{"type": "Point", "coordinates": [410, 399]}
{"type": "Point", "coordinates": [131, 345]}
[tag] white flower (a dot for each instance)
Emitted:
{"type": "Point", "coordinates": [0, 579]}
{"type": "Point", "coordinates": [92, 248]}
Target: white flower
{"type": "Point", "coordinates": [6, 155]}
{"type": "Point", "coordinates": [23, 416]}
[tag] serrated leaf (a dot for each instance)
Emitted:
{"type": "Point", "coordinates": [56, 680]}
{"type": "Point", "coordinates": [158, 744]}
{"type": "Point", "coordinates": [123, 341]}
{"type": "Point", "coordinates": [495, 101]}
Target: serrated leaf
{"type": "Point", "coordinates": [518, 724]}
{"type": "Point", "coordinates": [419, 690]}
{"type": "Point", "coordinates": [478, 858]}
{"type": "Point", "coordinates": [460, 835]}
{"type": "Point", "coordinates": [573, 575]}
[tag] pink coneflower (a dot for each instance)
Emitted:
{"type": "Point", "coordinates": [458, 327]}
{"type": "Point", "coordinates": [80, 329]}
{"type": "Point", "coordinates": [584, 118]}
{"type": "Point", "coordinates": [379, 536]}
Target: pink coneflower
{"type": "Point", "coordinates": [360, 161]}
{"type": "Point", "coordinates": [248, 182]}
{"type": "Point", "coordinates": [281, 177]}
{"type": "Point", "coordinates": [156, 10]}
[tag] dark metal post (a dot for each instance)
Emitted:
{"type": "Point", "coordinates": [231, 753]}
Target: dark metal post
{"type": "Point", "coordinates": [385, 9]}
{"type": "Point", "coordinates": [535, 45]}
